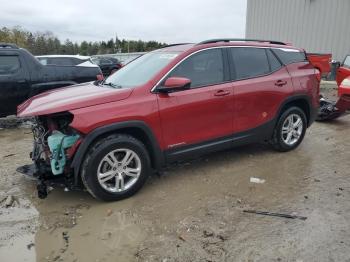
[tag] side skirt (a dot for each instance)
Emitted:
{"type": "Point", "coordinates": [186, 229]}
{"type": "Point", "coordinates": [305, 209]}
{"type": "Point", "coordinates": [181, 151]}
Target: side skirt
{"type": "Point", "coordinates": [254, 135]}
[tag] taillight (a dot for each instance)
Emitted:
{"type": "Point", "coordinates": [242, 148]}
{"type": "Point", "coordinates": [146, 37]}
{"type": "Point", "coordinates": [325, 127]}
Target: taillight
{"type": "Point", "coordinates": [100, 77]}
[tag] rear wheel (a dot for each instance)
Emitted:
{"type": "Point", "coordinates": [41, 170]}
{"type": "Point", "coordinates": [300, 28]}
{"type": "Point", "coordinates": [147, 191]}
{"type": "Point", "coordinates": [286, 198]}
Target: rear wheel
{"type": "Point", "coordinates": [115, 168]}
{"type": "Point", "coordinates": [290, 130]}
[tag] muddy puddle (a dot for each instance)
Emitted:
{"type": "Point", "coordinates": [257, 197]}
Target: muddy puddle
{"type": "Point", "coordinates": [194, 212]}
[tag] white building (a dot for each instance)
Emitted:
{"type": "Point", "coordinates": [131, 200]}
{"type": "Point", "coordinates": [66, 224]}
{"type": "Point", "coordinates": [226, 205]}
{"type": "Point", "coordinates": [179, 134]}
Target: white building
{"type": "Point", "coordinates": [319, 26]}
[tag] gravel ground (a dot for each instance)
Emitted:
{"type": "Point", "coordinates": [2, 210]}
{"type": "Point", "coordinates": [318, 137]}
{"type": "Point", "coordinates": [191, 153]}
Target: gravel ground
{"type": "Point", "coordinates": [194, 212]}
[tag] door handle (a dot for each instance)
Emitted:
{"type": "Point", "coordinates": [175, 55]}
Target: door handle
{"type": "Point", "coordinates": [280, 83]}
{"type": "Point", "coordinates": [221, 93]}
{"type": "Point", "coordinates": [21, 81]}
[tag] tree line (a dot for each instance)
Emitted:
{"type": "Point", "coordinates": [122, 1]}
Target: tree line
{"type": "Point", "coordinates": [46, 43]}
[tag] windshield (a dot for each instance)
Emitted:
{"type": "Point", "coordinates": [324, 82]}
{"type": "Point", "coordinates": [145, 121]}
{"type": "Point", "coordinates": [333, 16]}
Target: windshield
{"type": "Point", "coordinates": [141, 70]}
{"type": "Point", "coordinates": [347, 61]}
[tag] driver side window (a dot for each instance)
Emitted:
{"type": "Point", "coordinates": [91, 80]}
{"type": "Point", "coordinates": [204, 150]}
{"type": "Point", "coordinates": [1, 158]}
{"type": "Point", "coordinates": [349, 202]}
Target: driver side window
{"type": "Point", "coordinates": [203, 68]}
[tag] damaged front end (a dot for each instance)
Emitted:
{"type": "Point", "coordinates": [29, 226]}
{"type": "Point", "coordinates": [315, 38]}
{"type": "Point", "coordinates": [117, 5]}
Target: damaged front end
{"type": "Point", "coordinates": [331, 110]}
{"type": "Point", "coordinates": [55, 143]}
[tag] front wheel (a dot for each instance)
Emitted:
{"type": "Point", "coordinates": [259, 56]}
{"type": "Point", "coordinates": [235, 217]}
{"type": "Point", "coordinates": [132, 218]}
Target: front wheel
{"type": "Point", "coordinates": [115, 168]}
{"type": "Point", "coordinates": [290, 130]}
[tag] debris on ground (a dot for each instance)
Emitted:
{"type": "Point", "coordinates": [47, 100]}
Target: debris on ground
{"type": "Point", "coordinates": [109, 212]}
{"type": "Point", "coordinates": [9, 155]}
{"type": "Point", "coordinates": [181, 238]}
{"type": "Point", "coordinates": [9, 201]}
{"type": "Point", "coordinates": [29, 246]}
{"type": "Point", "coordinates": [65, 237]}
{"type": "Point", "coordinates": [208, 233]}
{"type": "Point", "coordinates": [257, 180]}
{"type": "Point", "coordinates": [266, 213]}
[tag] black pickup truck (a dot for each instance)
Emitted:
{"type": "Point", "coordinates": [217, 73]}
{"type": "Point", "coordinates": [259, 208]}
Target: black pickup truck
{"type": "Point", "coordinates": [23, 76]}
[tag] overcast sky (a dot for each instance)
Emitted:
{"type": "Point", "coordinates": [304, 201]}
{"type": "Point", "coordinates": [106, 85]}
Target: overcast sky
{"type": "Point", "coordinates": [161, 20]}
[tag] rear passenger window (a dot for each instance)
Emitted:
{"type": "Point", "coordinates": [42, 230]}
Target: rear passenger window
{"type": "Point", "coordinates": [274, 63]}
{"type": "Point", "coordinates": [43, 61]}
{"type": "Point", "coordinates": [9, 64]}
{"type": "Point", "coordinates": [289, 56]}
{"type": "Point", "coordinates": [203, 69]}
{"type": "Point", "coordinates": [61, 61]}
{"type": "Point", "coordinates": [249, 62]}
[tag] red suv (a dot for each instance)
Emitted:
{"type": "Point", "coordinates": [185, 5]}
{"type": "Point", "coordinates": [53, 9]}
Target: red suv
{"type": "Point", "coordinates": [174, 103]}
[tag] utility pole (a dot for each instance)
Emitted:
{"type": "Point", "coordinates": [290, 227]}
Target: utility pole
{"type": "Point", "coordinates": [117, 47]}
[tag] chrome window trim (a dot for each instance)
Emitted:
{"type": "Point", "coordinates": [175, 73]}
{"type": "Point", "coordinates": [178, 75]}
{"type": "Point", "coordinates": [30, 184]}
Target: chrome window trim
{"type": "Point", "coordinates": [215, 47]}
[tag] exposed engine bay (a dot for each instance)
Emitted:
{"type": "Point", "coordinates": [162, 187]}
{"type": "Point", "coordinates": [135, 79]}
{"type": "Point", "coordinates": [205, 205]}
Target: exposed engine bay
{"type": "Point", "coordinates": [54, 145]}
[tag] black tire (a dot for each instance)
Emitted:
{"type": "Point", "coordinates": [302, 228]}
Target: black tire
{"type": "Point", "coordinates": [95, 155]}
{"type": "Point", "coordinates": [277, 141]}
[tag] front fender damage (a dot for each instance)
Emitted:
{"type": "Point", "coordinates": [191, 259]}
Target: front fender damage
{"type": "Point", "coordinates": [55, 143]}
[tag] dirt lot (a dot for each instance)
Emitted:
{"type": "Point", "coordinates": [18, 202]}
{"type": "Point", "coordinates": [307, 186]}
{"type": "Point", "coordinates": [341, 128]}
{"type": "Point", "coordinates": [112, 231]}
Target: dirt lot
{"type": "Point", "coordinates": [195, 211]}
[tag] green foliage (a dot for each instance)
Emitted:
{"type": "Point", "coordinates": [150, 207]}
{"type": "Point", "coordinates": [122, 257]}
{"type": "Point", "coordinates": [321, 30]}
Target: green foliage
{"type": "Point", "coordinates": [46, 43]}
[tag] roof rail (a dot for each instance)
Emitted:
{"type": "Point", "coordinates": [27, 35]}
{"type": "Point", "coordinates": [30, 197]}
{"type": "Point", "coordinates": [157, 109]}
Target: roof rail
{"type": "Point", "coordinates": [211, 41]}
{"type": "Point", "coordinates": [6, 45]}
{"type": "Point", "coordinates": [175, 45]}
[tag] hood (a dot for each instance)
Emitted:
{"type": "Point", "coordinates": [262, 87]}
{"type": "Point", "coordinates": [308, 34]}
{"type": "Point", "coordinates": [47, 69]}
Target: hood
{"type": "Point", "coordinates": [69, 98]}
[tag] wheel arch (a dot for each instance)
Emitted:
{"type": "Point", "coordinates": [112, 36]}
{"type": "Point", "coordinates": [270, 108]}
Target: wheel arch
{"type": "Point", "coordinates": [137, 129]}
{"type": "Point", "coordinates": [301, 101]}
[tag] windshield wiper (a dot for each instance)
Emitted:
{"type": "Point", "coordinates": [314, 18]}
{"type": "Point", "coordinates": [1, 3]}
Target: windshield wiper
{"type": "Point", "coordinates": [111, 85]}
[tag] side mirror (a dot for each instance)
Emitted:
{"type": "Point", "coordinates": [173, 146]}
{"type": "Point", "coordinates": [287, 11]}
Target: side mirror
{"type": "Point", "coordinates": [173, 84]}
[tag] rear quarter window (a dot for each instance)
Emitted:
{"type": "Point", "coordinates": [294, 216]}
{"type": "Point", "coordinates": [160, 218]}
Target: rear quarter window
{"type": "Point", "coordinates": [61, 61]}
{"type": "Point", "coordinates": [289, 56]}
{"type": "Point", "coordinates": [42, 61]}
{"type": "Point", "coordinates": [274, 63]}
{"type": "Point", "coordinates": [9, 64]}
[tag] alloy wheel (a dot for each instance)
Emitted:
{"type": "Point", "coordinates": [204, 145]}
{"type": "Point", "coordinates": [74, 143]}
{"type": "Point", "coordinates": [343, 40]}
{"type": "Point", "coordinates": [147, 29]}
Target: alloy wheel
{"type": "Point", "coordinates": [119, 170]}
{"type": "Point", "coordinates": [292, 129]}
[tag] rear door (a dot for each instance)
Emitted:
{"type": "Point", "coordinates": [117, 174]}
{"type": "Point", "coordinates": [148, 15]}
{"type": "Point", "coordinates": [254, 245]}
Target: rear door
{"type": "Point", "coordinates": [344, 70]}
{"type": "Point", "coordinates": [204, 112]}
{"type": "Point", "coordinates": [14, 82]}
{"type": "Point", "coordinates": [261, 85]}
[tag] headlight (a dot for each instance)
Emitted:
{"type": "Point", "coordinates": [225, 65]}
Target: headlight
{"type": "Point", "coordinates": [346, 82]}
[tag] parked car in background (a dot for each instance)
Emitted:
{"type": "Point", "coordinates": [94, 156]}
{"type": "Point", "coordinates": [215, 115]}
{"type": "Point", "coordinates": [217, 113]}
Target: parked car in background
{"type": "Point", "coordinates": [108, 65]}
{"type": "Point", "coordinates": [64, 60]}
{"type": "Point", "coordinates": [23, 76]}
{"type": "Point", "coordinates": [171, 104]}
{"type": "Point", "coordinates": [321, 62]}
{"type": "Point", "coordinates": [131, 57]}
{"type": "Point", "coordinates": [344, 70]}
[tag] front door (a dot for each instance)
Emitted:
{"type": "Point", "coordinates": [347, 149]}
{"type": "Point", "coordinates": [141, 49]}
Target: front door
{"type": "Point", "coordinates": [202, 113]}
